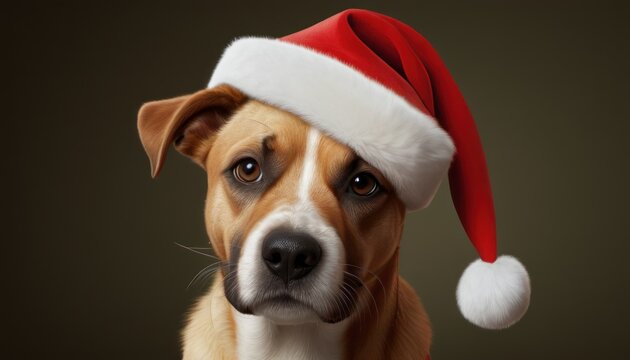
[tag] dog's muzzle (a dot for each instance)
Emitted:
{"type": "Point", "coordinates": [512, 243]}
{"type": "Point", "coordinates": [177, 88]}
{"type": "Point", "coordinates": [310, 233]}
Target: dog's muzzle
{"type": "Point", "coordinates": [291, 269]}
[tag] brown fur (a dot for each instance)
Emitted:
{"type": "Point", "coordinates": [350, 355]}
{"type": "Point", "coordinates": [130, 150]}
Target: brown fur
{"type": "Point", "coordinates": [216, 126]}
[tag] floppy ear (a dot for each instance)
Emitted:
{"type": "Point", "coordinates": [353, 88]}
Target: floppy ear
{"type": "Point", "coordinates": [190, 121]}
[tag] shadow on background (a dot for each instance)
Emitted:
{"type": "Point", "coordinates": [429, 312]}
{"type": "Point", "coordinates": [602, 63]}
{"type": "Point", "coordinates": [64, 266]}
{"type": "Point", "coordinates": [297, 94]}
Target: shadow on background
{"type": "Point", "coordinates": [88, 250]}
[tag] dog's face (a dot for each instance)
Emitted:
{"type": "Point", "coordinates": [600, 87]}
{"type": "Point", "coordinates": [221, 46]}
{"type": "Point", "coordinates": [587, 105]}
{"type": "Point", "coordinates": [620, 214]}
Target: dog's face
{"type": "Point", "coordinates": [299, 221]}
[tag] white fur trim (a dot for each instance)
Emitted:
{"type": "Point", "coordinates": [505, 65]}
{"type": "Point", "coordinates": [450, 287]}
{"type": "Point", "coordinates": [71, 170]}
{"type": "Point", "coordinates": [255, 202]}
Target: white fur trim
{"type": "Point", "coordinates": [494, 295]}
{"type": "Point", "coordinates": [408, 146]}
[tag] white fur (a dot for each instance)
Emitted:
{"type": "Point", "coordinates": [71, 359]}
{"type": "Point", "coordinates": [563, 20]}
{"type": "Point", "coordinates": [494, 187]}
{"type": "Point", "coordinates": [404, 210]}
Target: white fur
{"type": "Point", "coordinates": [309, 166]}
{"type": "Point", "coordinates": [261, 339]}
{"type": "Point", "coordinates": [292, 333]}
{"type": "Point", "coordinates": [494, 295]}
{"type": "Point", "coordinates": [408, 146]}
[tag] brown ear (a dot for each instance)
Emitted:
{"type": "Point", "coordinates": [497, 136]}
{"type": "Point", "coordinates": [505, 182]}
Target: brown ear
{"type": "Point", "coordinates": [190, 121]}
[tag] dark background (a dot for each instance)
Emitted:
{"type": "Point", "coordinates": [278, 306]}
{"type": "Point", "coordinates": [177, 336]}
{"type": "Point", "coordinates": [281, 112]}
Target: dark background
{"type": "Point", "coordinates": [89, 262]}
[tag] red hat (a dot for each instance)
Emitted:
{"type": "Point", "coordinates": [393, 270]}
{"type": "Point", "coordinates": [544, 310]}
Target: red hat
{"type": "Point", "coordinates": [376, 85]}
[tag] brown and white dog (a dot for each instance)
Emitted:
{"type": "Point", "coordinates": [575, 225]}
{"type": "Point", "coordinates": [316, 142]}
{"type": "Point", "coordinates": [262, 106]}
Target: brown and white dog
{"type": "Point", "coordinates": [307, 233]}
{"type": "Point", "coordinates": [345, 126]}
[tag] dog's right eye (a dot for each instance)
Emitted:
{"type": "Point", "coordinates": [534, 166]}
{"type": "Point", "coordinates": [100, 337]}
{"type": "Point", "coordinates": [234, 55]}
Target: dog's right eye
{"type": "Point", "coordinates": [364, 184]}
{"type": "Point", "coordinates": [247, 171]}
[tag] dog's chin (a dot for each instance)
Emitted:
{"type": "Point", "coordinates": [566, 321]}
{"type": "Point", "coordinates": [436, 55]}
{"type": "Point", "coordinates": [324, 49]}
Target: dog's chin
{"type": "Point", "coordinates": [287, 311]}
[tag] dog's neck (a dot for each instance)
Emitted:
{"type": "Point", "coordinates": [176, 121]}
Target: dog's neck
{"type": "Point", "coordinates": [364, 335]}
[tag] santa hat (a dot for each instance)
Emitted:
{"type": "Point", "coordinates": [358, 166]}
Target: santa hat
{"type": "Point", "coordinates": [378, 86]}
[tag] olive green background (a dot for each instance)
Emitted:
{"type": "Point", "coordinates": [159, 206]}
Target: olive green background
{"type": "Point", "coordinates": [89, 265]}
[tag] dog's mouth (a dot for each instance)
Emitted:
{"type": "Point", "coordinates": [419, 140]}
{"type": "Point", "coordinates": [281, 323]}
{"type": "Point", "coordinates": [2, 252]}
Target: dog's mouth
{"type": "Point", "coordinates": [299, 305]}
{"type": "Point", "coordinates": [286, 309]}
{"type": "Point", "coordinates": [283, 300]}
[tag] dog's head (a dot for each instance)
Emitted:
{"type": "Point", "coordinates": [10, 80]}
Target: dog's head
{"type": "Point", "coordinates": [299, 221]}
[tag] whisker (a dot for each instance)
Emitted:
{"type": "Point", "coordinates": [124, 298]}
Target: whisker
{"type": "Point", "coordinates": [345, 299]}
{"type": "Point", "coordinates": [209, 267]}
{"type": "Point", "coordinates": [195, 250]}
{"type": "Point", "coordinates": [234, 285]}
{"type": "Point", "coordinates": [371, 273]}
{"type": "Point", "coordinates": [208, 274]}
{"type": "Point", "coordinates": [355, 291]}
{"type": "Point", "coordinates": [345, 288]}
{"type": "Point", "coordinates": [369, 293]}
{"type": "Point", "coordinates": [323, 299]}
{"type": "Point", "coordinates": [336, 298]}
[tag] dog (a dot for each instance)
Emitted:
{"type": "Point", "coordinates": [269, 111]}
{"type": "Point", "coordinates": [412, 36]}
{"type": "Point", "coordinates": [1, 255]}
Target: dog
{"type": "Point", "coordinates": [306, 231]}
{"type": "Point", "coordinates": [315, 146]}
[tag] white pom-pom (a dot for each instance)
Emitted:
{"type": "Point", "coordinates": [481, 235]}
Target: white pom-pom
{"type": "Point", "coordinates": [494, 295]}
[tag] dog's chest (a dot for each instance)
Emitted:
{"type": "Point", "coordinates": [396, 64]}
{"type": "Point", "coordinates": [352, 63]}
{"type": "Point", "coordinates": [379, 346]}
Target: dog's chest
{"type": "Point", "coordinates": [258, 338]}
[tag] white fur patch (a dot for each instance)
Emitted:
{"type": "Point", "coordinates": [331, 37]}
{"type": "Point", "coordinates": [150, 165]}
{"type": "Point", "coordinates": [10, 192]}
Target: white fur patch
{"type": "Point", "coordinates": [275, 336]}
{"type": "Point", "coordinates": [308, 168]}
{"type": "Point", "coordinates": [261, 339]}
{"type": "Point", "coordinates": [494, 295]}
{"type": "Point", "coordinates": [408, 146]}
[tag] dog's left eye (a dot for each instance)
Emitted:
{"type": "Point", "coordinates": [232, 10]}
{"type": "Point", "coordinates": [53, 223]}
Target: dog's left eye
{"type": "Point", "coordinates": [364, 184]}
{"type": "Point", "coordinates": [247, 171]}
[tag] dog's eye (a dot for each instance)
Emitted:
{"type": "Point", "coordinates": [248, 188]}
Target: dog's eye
{"type": "Point", "coordinates": [247, 171]}
{"type": "Point", "coordinates": [364, 184]}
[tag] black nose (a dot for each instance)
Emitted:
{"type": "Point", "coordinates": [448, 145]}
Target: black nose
{"type": "Point", "coordinates": [290, 255]}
